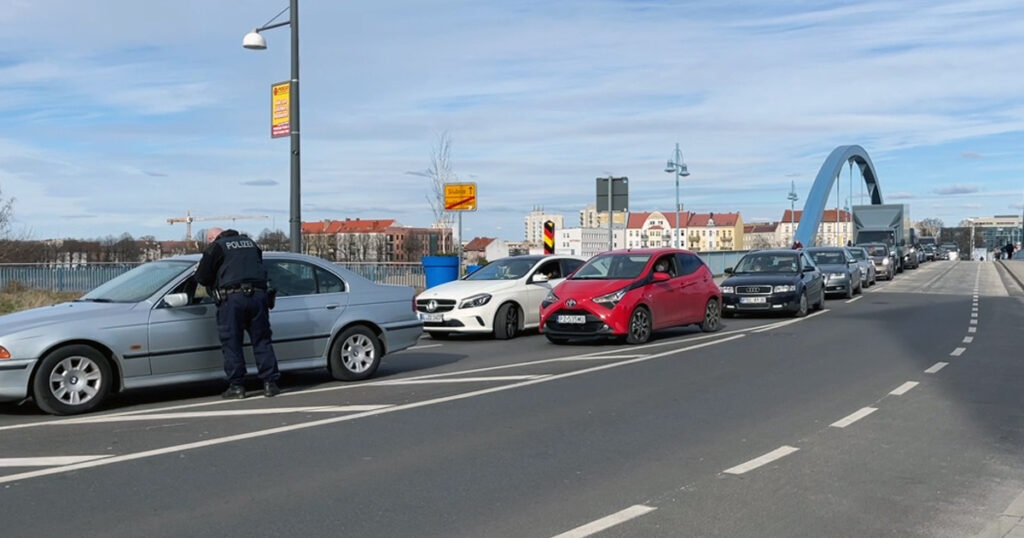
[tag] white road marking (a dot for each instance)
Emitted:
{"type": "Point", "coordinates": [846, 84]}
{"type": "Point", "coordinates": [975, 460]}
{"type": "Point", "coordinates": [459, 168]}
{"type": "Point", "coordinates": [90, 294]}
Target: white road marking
{"type": "Point", "coordinates": [974, 314]}
{"type": "Point", "coordinates": [461, 379]}
{"type": "Point", "coordinates": [232, 413]}
{"type": "Point", "coordinates": [47, 461]}
{"type": "Point", "coordinates": [607, 522]}
{"type": "Point", "coordinates": [974, 322]}
{"type": "Point", "coordinates": [968, 339]}
{"type": "Point", "coordinates": [855, 299]}
{"type": "Point", "coordinates": [936, 367]}
{"type": "Point", "coordinates": [958, 351]}
{"type": "Point", "coordinates": [904, 388]}
{"type": "Point", "coordinates": [975, 309]}
{"type": "Point", "coordinates": [344, 418]}
{"type": "Point", "coordinates": [854, 417]}
{"type": "Point", "coordinates": [778, 453]}
{"type": "Point", "coordinates": [428, 346]}
{"type": "Point", "coordinates": [790, 322]}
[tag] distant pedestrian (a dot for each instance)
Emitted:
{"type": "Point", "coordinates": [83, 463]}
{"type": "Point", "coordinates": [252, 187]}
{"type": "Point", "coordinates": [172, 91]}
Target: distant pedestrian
{"type": "Point", "coordinates": [232, 266]}
{"type": "Point", "coordinates": [1008, 249]}
{"type": "Point", "coordinates": [797, 245]}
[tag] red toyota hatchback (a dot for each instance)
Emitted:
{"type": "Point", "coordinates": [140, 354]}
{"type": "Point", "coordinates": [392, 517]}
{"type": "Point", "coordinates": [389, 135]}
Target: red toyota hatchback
{"type": "Point", "coordinates": [630, 294]}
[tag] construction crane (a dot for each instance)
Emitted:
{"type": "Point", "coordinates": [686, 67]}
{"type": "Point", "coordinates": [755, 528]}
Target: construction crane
{"type": "Point", "coordinates": [188, 219]}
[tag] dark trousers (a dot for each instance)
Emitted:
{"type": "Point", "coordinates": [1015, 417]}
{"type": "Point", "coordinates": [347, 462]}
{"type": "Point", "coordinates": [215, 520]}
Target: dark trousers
{"type": "Point", "coordinates": [237, 314]}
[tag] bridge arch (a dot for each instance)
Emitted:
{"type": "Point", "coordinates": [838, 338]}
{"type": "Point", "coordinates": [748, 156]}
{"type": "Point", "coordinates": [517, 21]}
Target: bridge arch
{"type": "Point", "coordinates": [814, 207]}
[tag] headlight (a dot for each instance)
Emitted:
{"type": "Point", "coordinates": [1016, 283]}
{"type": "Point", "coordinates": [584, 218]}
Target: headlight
{"type": "Point", "coordinates": [838, 275]}
{"type": "Point", "coordinates": [475, 301]}
{"type": "Point", "coordinates": [611, 299]}
{"type": "Point", "coordinates": [784, 289]}
{"type": "Point", "coordinates": [885, 261]}
{"type": "Point", "coordinates": [728, 289]}
{"type": "Point", "coordinates": [549, 299]}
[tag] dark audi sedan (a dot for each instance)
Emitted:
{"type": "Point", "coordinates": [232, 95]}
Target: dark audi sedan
{"type": "Point", "coordinates": [773, 281]}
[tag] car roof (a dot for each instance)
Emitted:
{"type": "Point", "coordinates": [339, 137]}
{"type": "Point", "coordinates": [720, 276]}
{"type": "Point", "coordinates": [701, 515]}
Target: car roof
{"type": "Point", "coordinates": [649, 251]}
{"type": "Point", "coordinates": [776, 251]}
{"type": "Point", "coordinates": [824, 249]}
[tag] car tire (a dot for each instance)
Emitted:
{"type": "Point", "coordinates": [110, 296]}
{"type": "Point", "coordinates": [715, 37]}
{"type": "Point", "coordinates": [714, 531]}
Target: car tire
{"type": "Point", "coordinates": [71, 380]}
{"type": "Point", "coordinates": [859, 289]}
{"type": "Point", "coordinates": [640, 327]}
{"type": "Point", "coordinates": [439, 335]}
{"type": "Point", "coordinates": [801, 310]}
{"type": "Point", "coordinates": [820, 305]}
{"type": "Point", "coordinates": [508, 321]}
{"type": "Point", "coordinates": [557, 339]}
{"type": "Point", "coordinates": [355, 354]}
{"type": "Point", "coordinates": [849, 291]}
{"type": "Point", "coordinates": [712, 316]}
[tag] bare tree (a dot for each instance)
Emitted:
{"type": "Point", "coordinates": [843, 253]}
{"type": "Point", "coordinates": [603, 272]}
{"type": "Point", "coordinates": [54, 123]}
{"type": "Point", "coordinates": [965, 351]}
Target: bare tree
{"type": "Point", "coordinates": [6, 214]}
{"type": "Point", "coordinates": [441, 171]}
{"type": "Point", "coordinates": [930, 226]}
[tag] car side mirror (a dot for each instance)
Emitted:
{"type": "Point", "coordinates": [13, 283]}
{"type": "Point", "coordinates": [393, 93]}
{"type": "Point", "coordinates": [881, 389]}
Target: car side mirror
{"type": "Point", "coordinates": [660, 276]}
{"type": "Point", "coordinates": [540, 277]}
{"type": "Point", "coordinates": [728, 270]}
{"type": "Point", "coordinates": [809, 268]}
{"type": "Point", "coordinates": [176, 300]}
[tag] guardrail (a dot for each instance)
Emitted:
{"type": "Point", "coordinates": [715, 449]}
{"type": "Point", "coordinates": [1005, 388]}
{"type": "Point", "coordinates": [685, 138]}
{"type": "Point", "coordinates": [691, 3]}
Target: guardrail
{"type": "Point", "coordinates": [85, 277]}
{"type": "Point", "coordinates": [718, 260]}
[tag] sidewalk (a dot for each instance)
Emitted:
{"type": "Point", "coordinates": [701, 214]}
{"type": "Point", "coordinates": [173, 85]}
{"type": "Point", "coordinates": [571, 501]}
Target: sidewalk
{"type": "Point", "coordinates": [1010, 524]}
{"type": "Point", "coordinates": [1016, 270]}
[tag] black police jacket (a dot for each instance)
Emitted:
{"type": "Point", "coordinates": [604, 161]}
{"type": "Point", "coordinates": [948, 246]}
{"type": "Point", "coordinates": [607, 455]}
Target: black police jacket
{"type": "Point", "coordinates": [231, 260]}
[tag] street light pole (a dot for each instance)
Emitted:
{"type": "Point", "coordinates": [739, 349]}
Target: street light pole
{"type": "Point", "coordinates": [792, 197]}
{"type": "Point", "coordinates": [253, 40]}
{"type": "Point", "coordinates": [679, 167]}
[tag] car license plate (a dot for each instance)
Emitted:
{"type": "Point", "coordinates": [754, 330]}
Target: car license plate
{"type": "Point", "coordinates": [753, 300]}
{"type": "Point", "coordinates": [436, 318]}
{"type": "Point", "coordinates": [566, 319]}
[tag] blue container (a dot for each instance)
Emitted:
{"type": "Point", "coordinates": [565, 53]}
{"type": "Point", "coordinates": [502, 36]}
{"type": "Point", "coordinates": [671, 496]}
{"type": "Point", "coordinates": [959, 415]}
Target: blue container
{"type": "Point", "coordinates": [440, 269]}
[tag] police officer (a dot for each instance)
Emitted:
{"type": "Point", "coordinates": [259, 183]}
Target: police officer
{"type": "Point", "coordinates": [232, 266]}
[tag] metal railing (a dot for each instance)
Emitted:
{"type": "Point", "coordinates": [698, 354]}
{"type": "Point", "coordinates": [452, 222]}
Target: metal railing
{"type": "Point", "coordinates": [84, 277]}
{"type": "Point", "coordinates": [718, 260]}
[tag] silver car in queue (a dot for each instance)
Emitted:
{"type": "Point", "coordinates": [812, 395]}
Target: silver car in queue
{"type": "Point", "coordinates": [154, 326]}
{"type": "Point", "coordinates": [842, 274]}
{"type": "Point", "coordinates": [868, 274]}
{"type": "Point", "coordinates": [883, 258]}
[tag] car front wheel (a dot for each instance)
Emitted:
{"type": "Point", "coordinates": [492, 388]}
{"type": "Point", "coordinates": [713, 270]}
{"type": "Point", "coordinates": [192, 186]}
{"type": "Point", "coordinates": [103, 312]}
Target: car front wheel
{"type": "Point", "coordinates": [506, 322]}
{"type": "Point", "coordinates": [801, 309]}
{"type": "Point", "coordinates": [72, 380]}
{"type": "Point", "coordinates": [639, 326]}
{"type": "Point", "coordinates": [355, 354]}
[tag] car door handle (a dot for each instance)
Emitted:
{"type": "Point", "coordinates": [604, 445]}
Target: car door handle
{"type": "Point", "coordinates": [331, 306]}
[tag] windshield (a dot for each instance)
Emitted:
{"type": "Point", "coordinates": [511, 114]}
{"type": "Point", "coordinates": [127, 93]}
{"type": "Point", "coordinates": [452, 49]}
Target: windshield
{"type": "Point", "coordinates": [768, 263]}
{"type": "Point", "coordinates": [833, 257]}
{"type": "Point", "coordinates": [139, 283]}
{"type": "Point", "coordinates": [612, 267]}
{"type": "Point", "coordinates": [858, 254]}
{"type": "Point", "coordinates": [878, 250]}
{"type": "Point", "coordinates": [504, 269]}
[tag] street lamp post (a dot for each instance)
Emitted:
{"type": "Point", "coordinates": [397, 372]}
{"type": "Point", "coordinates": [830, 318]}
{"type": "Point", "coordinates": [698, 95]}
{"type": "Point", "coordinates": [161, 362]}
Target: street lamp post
{"type": "Point", "coordinates": [792, 197]}
{"type": "Point", "coordinates": [253, 40]}
{"type": "Point", "coordinates": [679, 167]}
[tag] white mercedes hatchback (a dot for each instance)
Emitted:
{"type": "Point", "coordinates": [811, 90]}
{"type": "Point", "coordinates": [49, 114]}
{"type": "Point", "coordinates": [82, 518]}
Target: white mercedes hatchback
{"type": "Point", "coordinates": [502, 298]}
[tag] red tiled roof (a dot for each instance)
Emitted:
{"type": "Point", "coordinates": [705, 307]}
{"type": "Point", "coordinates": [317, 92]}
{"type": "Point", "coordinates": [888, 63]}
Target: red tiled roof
{"type": "Point", "coordinates": [760, 227]}
{"type": "Point", "coordinates": [479, 243]}
{"type": "Point", "coordinates": [829, 215]}
{"type": "Point", "coordinates": [636, 220]}
{"type": "Point", "coordinates": [349, 226]}
{"type": "Point", "coordinates": [700, 220]}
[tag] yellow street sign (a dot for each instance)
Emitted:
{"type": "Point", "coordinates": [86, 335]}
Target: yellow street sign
{"type": "Point", "coordinates": [460, 196]}
{"type": "Point", "coordinates": [280, 110]}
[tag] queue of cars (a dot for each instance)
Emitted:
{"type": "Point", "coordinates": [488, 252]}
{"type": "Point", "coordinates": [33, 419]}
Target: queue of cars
{"type": "Point", "coordinates": [155, 326]}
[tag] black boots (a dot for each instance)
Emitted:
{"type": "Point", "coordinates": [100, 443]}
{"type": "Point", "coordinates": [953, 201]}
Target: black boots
{"type": "Point", "coordinates": [270, 389]}
{"type": "Point", "coordinates": [234, 392]}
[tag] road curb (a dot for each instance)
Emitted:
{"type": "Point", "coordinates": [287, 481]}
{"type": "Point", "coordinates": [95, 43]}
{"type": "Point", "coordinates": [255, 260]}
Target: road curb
{"type": "Point", "coordinates": [1013, 275]}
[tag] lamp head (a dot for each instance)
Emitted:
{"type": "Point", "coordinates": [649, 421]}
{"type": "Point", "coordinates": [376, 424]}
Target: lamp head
{"type": "Point", "coordinates": [253, 40]}
{"type": "Point", "coordinates": [683, 171]}
{"type": "Point", "coordinates": [670, 167]}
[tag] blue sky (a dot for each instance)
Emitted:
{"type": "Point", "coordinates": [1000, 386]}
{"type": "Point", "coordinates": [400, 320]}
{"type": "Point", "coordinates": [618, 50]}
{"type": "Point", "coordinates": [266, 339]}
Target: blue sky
{"type": "Point", "coordinates": [120, 113]}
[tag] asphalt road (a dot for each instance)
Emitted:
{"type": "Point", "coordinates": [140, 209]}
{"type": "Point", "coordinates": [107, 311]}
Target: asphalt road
{"type": "Point", "coordinates": [895, 414]}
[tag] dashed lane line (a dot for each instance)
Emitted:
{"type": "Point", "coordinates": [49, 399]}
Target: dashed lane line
{"type": "Point", "coordinates": [608, 522]}
{"type": "Point", "coordinates": [855, 299]}
{"type": "Point", "coordinates": [974, 322]}
{"type": "Point", "coordinates": [853, 417]}
{"type": "Point", "coordinates": [461, 379]}
{"type": "Point", "coordinates": [957, 352]}
{"type": "Point", "coordinates": [904, 388]}
{"type": "Point", "coordinates": [345, 418]}
{"type": "Point", "coordinates": [759, 461]}
{"type": "Point", "coordinates": [232, 413]}
{"type": "Point", "coordinates": [936, 367]}
{"type": "Point", "coordinates": [972, 329]}
{"type": "Point", "coordinates": [968, 339]}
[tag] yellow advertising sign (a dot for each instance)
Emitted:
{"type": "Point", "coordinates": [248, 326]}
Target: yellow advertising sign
{"type": "Point", "coordinates": [280, 109]}
{"type": "Point", "coordinates": [460, 196]}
